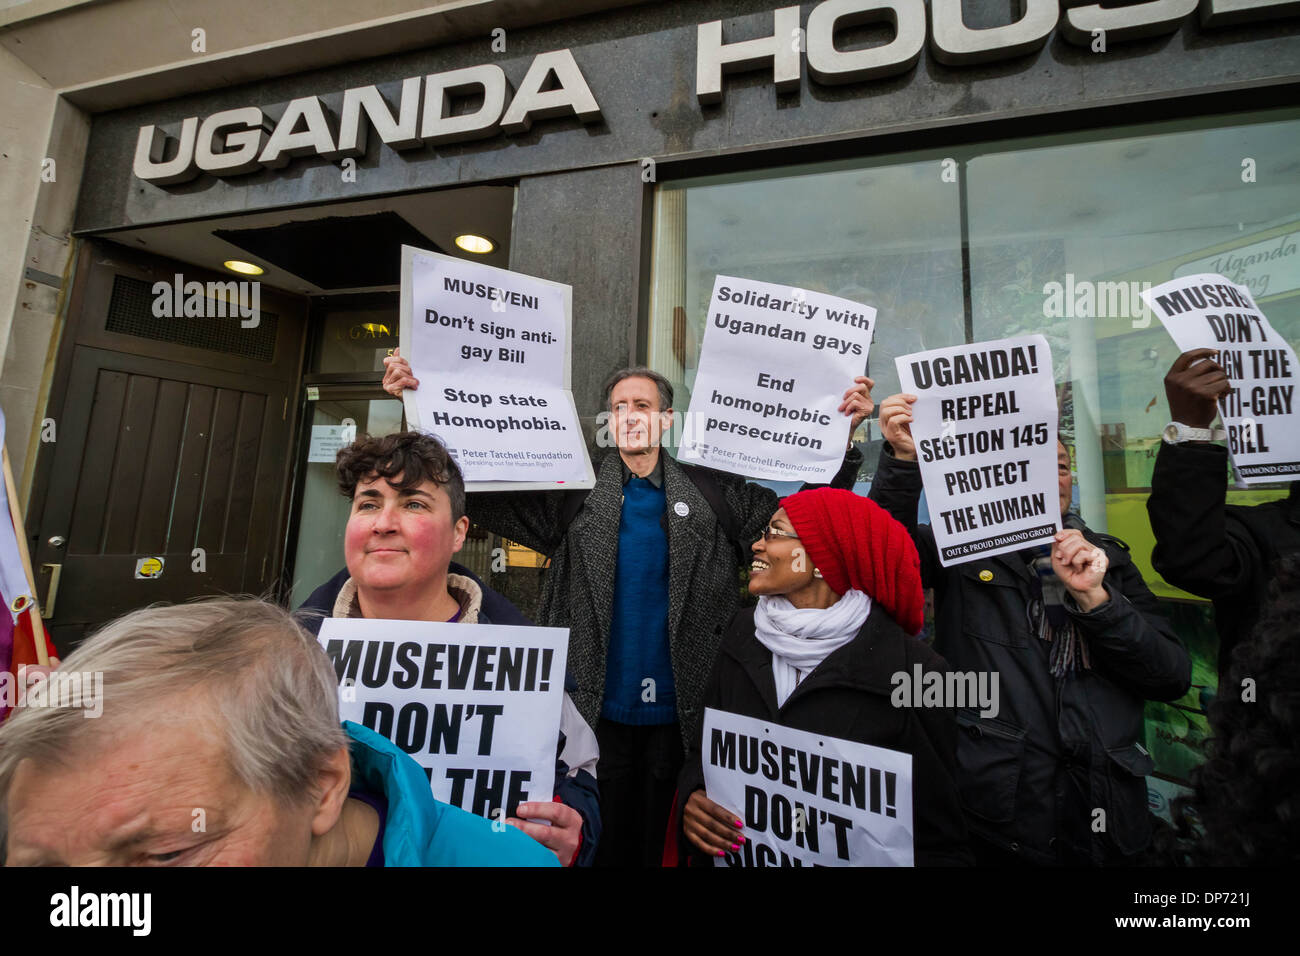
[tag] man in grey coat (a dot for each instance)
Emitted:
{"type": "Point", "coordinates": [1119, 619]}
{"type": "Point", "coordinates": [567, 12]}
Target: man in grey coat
{"type": "Point", "coordinates": [645, 574]}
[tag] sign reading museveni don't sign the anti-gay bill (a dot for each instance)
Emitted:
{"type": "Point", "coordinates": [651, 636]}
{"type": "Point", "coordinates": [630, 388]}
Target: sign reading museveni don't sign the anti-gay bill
{"type": "Point", "coordinates": [476, 705]}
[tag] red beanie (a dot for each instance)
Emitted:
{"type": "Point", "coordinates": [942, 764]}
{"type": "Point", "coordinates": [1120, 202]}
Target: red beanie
{"type": "Point", "coordinates": [856, 544]}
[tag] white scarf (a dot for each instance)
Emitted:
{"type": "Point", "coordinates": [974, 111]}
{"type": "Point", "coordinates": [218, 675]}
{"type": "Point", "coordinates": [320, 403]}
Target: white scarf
{"type": "Point", "coordinates": [801, 638]}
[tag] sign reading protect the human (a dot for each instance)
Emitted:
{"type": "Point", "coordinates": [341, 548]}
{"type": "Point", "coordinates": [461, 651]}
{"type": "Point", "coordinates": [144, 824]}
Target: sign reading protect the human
{"type": "Point", "coordinates": [477, 706]}
{"type": "Point", "coordinates": [984, 424]}
{"type": "Point", "coordinates": [1259, 414]}
{"type": "Point", "coordinates": [491, 350]}
{"type": "Point", "coordinates": [774, 364]}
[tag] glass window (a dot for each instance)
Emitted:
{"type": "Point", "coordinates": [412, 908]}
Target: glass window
{"type": "Point", "coordinates": [1052, 234]}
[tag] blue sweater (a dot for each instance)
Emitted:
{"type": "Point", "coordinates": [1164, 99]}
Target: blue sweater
{"type": "Point", "coordinates": [638, 637]}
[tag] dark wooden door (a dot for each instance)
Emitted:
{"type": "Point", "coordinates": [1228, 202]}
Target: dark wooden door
{"type": "Point", "coordinates": [169, 476]}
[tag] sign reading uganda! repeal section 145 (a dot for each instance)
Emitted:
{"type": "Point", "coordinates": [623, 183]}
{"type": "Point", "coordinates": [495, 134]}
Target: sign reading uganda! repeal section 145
{"type": "Point", "coordinates": [774, 365]}
{"type": "Point", "coordinates": [984, 424]}
{"type": "Point", "coordinates": [808, 800]}
{"type": "Point", "coordinates": [491, 350]}
{"type": "Point", "coordinates": [476, 705]}
{"type": "Point", "coordinates": [1259, 414]}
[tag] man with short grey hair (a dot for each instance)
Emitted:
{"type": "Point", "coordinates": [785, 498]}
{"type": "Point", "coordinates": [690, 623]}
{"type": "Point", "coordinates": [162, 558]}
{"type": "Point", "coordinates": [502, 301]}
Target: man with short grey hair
{"type": "Point", "coordinates": [645, 575]}
{"type": "Point", "coordinates": [220, 743]}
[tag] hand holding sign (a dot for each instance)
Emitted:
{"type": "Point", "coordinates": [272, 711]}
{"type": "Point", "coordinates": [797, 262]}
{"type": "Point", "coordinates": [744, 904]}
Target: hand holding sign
{"type": "Point", "coordinates": [1081, 568]}
{"type": "Point", "coordinates": [896, 425]}
{"type": "Point", "coordinates": [397, 374]}
{"type": "Point", "coordinates": [564, 834]}
{"type": "Point", "coordinates": [712, 828]}
{"type": "Point", "coordinates": [1194, 385]}
{"type": "Point", "coordinates": [857, 402]}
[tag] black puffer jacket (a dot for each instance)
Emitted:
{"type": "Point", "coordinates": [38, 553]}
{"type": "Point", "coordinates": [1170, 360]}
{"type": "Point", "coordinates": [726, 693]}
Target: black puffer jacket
{"type": "Point", "coordinates": [1224, 552]}
{"type": "Point", "coordinates": [1033, 778]}
{"type": "Point", "coordinates": [847, 696]}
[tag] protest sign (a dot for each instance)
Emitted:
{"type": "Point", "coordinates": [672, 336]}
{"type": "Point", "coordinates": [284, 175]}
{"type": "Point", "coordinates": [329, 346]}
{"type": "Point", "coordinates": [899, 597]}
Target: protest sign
{"type": "Point", "coordinates": [491, 350]}
{"type": "Point", "coordinates": [476, 705]}
{"type": "Point", "coordinates": [1259, 414]}
{"type": "Point", "coordinates": [774, 365]}
{"type": "Point", "coordinates": [807, 800]}
{"type": "Point", "coordinates": [984, 424]}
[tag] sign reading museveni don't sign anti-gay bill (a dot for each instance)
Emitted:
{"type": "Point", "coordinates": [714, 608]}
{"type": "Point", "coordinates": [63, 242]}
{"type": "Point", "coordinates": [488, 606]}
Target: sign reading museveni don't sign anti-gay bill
{"type": "Point", "coordinates": [490, 348]}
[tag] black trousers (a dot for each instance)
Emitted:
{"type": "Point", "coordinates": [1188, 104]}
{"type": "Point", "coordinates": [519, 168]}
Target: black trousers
{"type": "Point", "coordinates": [637, 775]}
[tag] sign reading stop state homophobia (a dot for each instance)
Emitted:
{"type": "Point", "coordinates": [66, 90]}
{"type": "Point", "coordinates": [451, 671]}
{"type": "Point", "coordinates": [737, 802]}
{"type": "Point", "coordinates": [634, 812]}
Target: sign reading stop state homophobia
{"type": "Point", "coordinates": [984, 424]}
{"type": "Point", "coordinates": [476, 705]}
{"type": "Point", "coordinates": [491, 350]}
{"type": "Point", "coordinates": [774, 365]}
{"type": "Point", "coordinates": [808, 800]}
{"type": "Point", "coordinates": [1259, 414]}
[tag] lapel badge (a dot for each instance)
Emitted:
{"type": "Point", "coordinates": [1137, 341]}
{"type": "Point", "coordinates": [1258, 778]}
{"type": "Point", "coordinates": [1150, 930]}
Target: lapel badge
{"type": "Point", "coordinates": [986, 575]}
{"type": "Point", "coordinates": [682, 509]}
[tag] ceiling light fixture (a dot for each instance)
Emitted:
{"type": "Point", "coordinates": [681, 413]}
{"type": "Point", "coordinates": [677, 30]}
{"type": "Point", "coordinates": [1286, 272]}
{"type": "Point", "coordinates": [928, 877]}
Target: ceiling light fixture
{"type": "Point", "coordinates": [244, 268]}
{"type": "Point", "coordinates": [479, 245]}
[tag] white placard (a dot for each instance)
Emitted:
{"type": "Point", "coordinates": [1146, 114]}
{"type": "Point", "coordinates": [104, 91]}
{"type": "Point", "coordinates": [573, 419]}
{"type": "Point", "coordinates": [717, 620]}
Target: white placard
{"type": "Point", "coordinates": [774, 365]}
{"type": "Point", "coordinates": [1259, 414]}
{"type": "Point", "coordinates": [984, 424]}
{"type": "Point", "coordinates": [476, 705]}
{"type": "Point", "coordinates": [491, 350]}
{"type": "Point", "coordinates": [808, 800]}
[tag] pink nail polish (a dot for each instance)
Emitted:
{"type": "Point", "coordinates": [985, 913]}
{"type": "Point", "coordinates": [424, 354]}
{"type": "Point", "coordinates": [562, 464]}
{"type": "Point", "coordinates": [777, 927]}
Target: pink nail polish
{"type": "Point", "coordinates": [735, 846]}
{"type": "Point", "coordinates": [720, 853]}
{"type": "Point", "coordinates": [737, 823]}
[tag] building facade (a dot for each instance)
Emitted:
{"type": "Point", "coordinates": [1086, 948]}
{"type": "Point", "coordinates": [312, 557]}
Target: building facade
{"type": "Point", "coordinates": [972, 170]}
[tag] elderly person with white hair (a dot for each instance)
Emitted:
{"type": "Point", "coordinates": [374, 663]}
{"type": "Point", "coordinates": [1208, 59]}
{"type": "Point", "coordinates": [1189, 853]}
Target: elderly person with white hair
{"type": "Point", "coordinates": [220, 743]}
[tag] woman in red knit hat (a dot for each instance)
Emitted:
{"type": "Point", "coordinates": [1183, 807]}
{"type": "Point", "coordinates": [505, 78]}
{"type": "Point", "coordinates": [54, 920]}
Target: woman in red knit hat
{"type": "Point", "coordinates": [839, 598]}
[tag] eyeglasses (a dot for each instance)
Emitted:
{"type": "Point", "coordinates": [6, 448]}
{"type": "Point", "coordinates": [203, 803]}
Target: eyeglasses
{"type": "Point", "coordinates": [769, 533]}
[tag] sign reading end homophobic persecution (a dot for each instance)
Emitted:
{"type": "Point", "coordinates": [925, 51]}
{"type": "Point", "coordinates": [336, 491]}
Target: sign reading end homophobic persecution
{"type": "Point", "coordinates": [774, 364]}
{"type": "Point", "coordinates": [807, 800]}
{"type": "Point", "coordinates": [477, 706]}
{"type": "Point", "coordinates": [1259, 414]}
{"type": "Point", "coordinates": [984, 424]}
{"type": "Point", "coordinates": [491, 350]}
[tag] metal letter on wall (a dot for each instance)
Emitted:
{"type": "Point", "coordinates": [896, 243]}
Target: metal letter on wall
{"type": "Point", "coordinates": [829, 65]}
{"type": "Point", "coordinates": [1125, 23]}
{"type": "Point", "coordinates": [150, 146]}
{"type": "Point", "coordinates": [439, 127]}
{"type": "Point", "coordinates": [713, 57]}
{"type": "Point", "coordinates": [1223, 13]}
{"type": "Point", "coordinates": [572, 96]}
{"type": "Point", "coordinates": [401, 132]}
{"type": "Point", "coordinates": [316, 138]}
{"type": "Point", "coordinates": [238, 149]}
{"type": "Point", "coordinates": [956, 44]}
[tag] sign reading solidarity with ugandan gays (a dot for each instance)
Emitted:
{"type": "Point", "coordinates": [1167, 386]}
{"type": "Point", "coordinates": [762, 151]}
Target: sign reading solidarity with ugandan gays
{"type": "Point", "coordinates": [476, 705]}
{"type": "Point", "coordinates": [984, 424]}
{"type": "Point", "coordinates": [807, 800]}
{"type": "Point", "coordinates": [1259, 414]}
{"type": "Point", "coordinates": [491, 350]}
{"type": "Point", "coordinates": [774, 365]}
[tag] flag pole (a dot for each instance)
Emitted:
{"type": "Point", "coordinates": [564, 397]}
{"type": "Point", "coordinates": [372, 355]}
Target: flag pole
{"type": "Point", "coordinates": [20, 532]}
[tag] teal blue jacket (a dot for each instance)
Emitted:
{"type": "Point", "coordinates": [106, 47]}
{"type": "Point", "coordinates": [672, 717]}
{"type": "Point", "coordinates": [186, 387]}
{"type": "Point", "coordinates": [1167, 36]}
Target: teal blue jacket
{"type": "Point", "coordinates": [422, 831]}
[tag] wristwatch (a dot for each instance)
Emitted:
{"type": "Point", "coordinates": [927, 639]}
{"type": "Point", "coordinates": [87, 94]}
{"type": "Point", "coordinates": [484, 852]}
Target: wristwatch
{"type": "Point", "coordinates": [1176, 433]}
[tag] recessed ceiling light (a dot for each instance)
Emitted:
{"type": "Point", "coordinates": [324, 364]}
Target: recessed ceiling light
{"type": "Point", "coordinates": [479, 245]}
{"type": "Point", "coordinates": [244, 268]}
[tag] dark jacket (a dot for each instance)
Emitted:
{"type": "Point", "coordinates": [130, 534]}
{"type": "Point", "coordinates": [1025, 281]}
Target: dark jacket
{"type": "Point", "coordinates": [703, 576]}
{"type": "Point", "coordinates": [1224, 552]}
{"type": "Point", "coordinates": [577, 790]}
{"type": "Point", "coordinates": [847, 696]}
{"type": "Point", "coordinates": [1033, 777]}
